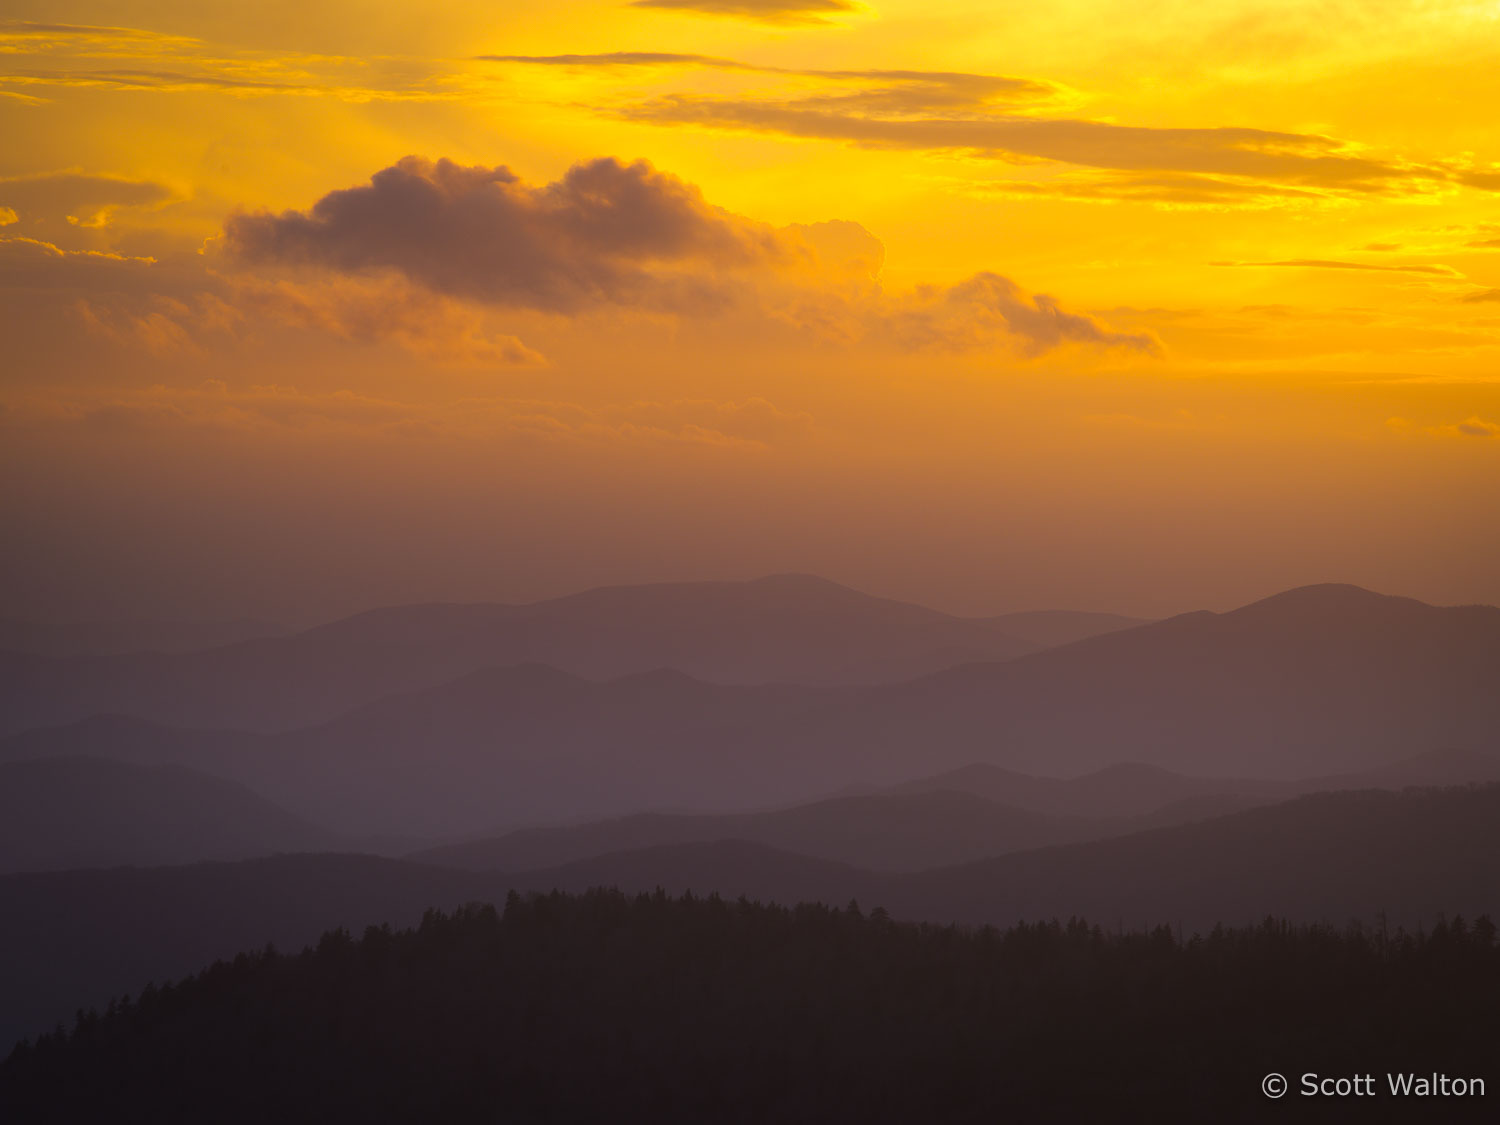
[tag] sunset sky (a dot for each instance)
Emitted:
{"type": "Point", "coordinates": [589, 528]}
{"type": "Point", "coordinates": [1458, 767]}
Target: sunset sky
{"type": "Point", "coordinates": [1151, 306]}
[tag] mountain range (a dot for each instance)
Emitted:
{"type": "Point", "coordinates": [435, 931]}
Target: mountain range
{"type": "Point", "coordinates": [968, 814]}
{"type": "Point", "coordinates": [784, 628]}
{"type": "Point", "coordinates": [1316, 681]}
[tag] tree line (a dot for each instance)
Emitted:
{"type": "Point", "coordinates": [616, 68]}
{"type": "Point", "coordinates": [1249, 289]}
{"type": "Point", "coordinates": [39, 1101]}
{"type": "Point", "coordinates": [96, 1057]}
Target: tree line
{"type": "Point", "coordinates": [609, 1007]}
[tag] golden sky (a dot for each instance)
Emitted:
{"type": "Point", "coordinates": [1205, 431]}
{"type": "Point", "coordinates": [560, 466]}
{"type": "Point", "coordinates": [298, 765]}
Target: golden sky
{"type": "Point", "coordinates": [1139, 306]}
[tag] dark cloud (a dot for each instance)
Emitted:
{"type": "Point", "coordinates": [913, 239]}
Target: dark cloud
{"type": "Point", "coordinates": [1476, 427]}
{"type": "Point", "coordinates": [763, 11]}
{"type": "Point", "coordinates": [606, 233]}
{"type": "Point", "coordinates": [1483, 296]}
{"type": "Point", "coordinates": [1330, 264]}
{"type": "Point", "coordinates": [1486, 244]}
{"type": "Point", "coordinates": [611, 234]}
{"type": "Point", "coordinates": [31, 265]}
{"type": "Point", "coordinates": [84, 200]}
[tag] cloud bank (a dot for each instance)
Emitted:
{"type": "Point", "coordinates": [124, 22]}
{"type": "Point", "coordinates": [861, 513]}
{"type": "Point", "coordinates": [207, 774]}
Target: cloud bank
{"type": "Point", "coordinates": [615, 235]}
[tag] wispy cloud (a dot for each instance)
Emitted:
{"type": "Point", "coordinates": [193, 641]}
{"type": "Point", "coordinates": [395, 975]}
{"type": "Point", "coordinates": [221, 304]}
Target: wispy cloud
{"type": "Point", "coordinates": [1332, 264]}
{"type": "Point", "coordinates": [762, 11]}
{"type": "Point", "coordinates": [81, 56]}
{"type": "Point", "coordinates": [1013, 119]}
{"type": "Point", "coordinates": [883, 91]}
{"type": "Point", "coordinates": [1165, 189]}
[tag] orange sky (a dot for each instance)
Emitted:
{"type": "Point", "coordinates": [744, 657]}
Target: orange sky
{"type": "Point", "coordinates": [1145, 307]}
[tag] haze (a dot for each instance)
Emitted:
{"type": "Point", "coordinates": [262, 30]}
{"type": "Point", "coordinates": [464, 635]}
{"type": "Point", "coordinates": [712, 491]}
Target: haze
{"type": "Point", "coordinates": [1086, 306]}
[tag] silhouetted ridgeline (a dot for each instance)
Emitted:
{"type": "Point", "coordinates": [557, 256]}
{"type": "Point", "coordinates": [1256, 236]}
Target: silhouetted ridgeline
{"type": "Point", "coordinates": [607, 1008]}
{"type": "Point", "coordinates": [74, 938]}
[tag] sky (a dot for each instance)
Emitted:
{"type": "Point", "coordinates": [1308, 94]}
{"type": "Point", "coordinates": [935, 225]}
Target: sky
{"type": "Point", "coordinates": [1143, 307]}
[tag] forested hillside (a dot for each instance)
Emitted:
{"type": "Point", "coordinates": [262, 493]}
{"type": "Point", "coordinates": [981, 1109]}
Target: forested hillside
{"type": "Point", "coordinates": [603, 1007]}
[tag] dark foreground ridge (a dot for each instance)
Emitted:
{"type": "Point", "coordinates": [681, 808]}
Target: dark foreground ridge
{"type": "Point", "coordinates": [603, 1007]}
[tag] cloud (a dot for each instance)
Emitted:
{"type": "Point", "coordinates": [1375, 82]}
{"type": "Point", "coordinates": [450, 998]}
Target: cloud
{"type": "Point", "coordinates": [80, 199]}
{"type": "Point", "coordinates": [7, 216]}
{"type": "Point", "coordinates": [1295, 158]}
{"type": "Point", "coordinates": [1472, 427]}
{"type": "Point", "coordinates": [763, 11]}
{"type": "Point", "coordinates": [428, 257]}
{"type": "Point", "coordinates": [612, 235]}
{"type": "Point", "coordinates": [1483, 296]}
{"type": "Point", "coordinates": [126, 58]}
{"type": "Point", "coordinates": [30, 35]}
{"type": "Point", "coordinates": [179, 307]}
{"type": "Point", "coordinates": [987, 309]}
{"type": "Point", "coordinates": [999, 117]}
{"type": "Point", "coordinates": [842, 247]}
{"type": "Point", "coordinates": [607, 233]}
{"type": "Point", "coordinates": [207, 80]}
{"type": "Point", "coordinates": [33, 265]}
{"type": "Point", "coordinates": [610, 59]}
{"type": "Point", "coordinates": [422, 323]}
{"type": "Point", "coordinates": [884, 91]}
{"type": "Point", "coordinates": [1173, 189]}
{"type": "Point", "coordinates": [1330, 264]}
{"type": "Point", "coordinates": [1486, 244]}
{"type": "Point", "coordinates": [1477, 427]}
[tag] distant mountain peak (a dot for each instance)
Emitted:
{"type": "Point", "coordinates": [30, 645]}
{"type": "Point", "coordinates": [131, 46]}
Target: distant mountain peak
{"type": "Point", "coordinates": [1327, 593]}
